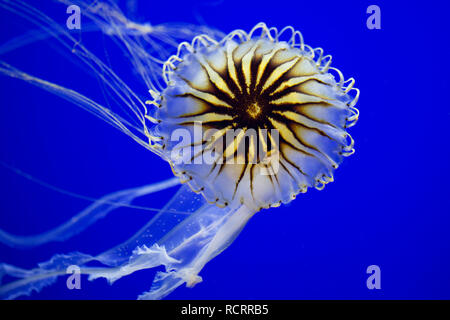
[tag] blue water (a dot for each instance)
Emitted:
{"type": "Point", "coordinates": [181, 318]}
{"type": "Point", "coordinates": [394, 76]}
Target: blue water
{"type": "Point", "coordinates": [389, 204]}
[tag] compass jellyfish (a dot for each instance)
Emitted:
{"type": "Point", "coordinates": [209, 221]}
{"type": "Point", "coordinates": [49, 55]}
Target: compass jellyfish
{"type": "Point", "coordinates": [247, 121]}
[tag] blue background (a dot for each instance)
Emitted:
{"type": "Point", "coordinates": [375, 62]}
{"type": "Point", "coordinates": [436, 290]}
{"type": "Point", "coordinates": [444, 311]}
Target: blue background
{"type": "Point", "coordinates": [389, 204]}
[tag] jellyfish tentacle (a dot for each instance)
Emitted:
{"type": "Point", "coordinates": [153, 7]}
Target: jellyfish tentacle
{"type": "Point", "coordinates": [147, 56]}
{"type": "Point", "coordinates": [353, 118]}
{"type": "Point", "coordinates": [347, 87]}
{"type": "Point", "coordinates": [67, 41]}
{"type": "Point", "coordinates": [37, 35]}
{"type": "Point", "coordinates": [81, 221]}
{"type": "Point", "coordinates": [78, 99]}
{"type": "Point", "coordinates": [130, 37]}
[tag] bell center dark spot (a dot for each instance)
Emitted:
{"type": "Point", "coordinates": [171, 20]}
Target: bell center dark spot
{"type": "Point", "coordinates": [251, 113]}
{"type": "Point", "coordinates": [254, 110]}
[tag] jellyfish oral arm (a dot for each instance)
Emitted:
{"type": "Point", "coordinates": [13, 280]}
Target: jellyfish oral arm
{"type": "Point", "coordinates": [225, 235]}
{"type": "Point", "coordinates": [194, 252]}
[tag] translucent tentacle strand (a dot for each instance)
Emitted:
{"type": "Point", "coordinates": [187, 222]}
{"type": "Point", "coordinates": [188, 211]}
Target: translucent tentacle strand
{"type": "Point", "coordinates": [78, 223]}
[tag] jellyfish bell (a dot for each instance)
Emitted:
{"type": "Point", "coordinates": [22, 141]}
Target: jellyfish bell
{"type": "Point", "coordinates": [287, 111]}
{"type": "Point", "coordinates": [281, 92]}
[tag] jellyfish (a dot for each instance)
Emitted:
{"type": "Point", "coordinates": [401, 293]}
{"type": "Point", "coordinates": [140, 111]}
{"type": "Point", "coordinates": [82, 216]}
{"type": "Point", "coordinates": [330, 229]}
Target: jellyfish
{"type": "Point", "coordinates": [246, 121]}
